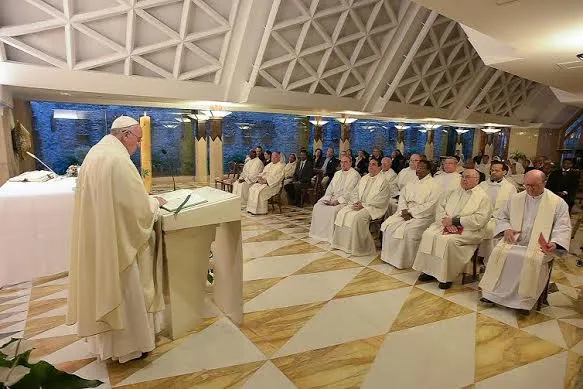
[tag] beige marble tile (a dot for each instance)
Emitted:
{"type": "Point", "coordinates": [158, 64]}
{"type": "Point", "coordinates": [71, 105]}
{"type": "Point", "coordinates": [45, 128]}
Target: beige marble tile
{"type": "Point", "coordinates": [40, 325]}
{"type": "Point", "coordinates": [327, 262]}
{"type": "Point", "coordinates": [270, 330]}
{"type": "Point", "coordinates": [574, 373]}
{"type": "Point", "coordinates": [72, 366]}
{"type": "Point", "coordinates": [340, 367]}
{"type": "Point", "coordinates": [571, 333]}
{"type": "Point", "coordinates": [44, 280]}
{"type": "Point", "coordinates": [500, 348]}
{"type": "Point", "coordinates": [224, 378]}
{"type": "Point", "coordinates": [422, 307]}
{"type": "Point", "coordinates": [533, 318]}
{"type": "Point", "coordinates": [370, 281]}
{"type": "Point", "coordinates": [254, 288]}
{"type": "Point", "coordinates": [48, 346]}
{"type": "Point", "coordinates": [42, 291]}
{"type": "Point", "coordinates": [5, 307]}
{"type": "Point", "coordinates": [269, 236]}
{"type": "Point", "coordinates": [296, 247]}
{"type": "Point", "coordinates": [11, 291]}
{"type": "Point", "coordinates": [41, 306]}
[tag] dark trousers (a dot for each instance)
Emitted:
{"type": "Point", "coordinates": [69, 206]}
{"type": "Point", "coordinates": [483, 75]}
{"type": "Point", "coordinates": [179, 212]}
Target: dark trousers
{"type": "Point", "coordinates": [294, 192]}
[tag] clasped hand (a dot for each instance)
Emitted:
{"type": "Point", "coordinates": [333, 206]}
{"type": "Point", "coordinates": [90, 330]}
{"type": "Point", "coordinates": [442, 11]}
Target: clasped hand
{"type": "Point", "coordinates": [406, 215]}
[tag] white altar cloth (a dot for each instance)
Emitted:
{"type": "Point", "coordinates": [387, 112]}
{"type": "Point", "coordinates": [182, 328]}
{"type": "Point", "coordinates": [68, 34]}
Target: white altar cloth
{"type": "Point", "coordinates": [35, 229]}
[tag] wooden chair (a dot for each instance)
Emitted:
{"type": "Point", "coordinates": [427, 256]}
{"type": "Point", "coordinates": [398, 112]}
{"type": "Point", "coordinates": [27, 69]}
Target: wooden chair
{"type": "Point", "coordinates": [313, 193]}
{"type": "Point", "coordinates": [374, 228]}
{"type": "Point", "coordinates": [545, 294]}
{"type": "Point", "coordinates": [276, 199]}
{"type": "Point", "coordinates": [474, 269]}
{"type": "Point", "coordinates": [227, 179]}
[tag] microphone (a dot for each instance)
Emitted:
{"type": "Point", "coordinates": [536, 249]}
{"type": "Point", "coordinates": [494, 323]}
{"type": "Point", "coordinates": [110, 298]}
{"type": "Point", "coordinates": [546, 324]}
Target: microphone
{"type": "Point", "coordinates": [171, 170]}
{"type": "Point", "coordinates": [44, 164]}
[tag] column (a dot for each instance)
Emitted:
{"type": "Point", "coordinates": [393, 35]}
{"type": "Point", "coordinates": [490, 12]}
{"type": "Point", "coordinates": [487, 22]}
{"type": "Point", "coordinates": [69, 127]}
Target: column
{"type": "Point", "coordinates": [344, 137]}
{"type": "Point", "coordinates": [401, 140]}
{"type": "Point", "coordinates": [317, 138]}
{"type": "Point", "coordinates": [429, 146]}
{"type": "Point", "coordinates": [187, 144]}
{"type": "Point", "coordinates": [146, 152]}
{"type": "Point", "coordinates": [216, 148]}
{"type": "Point", "coordinates": [201, 154]}
{"type": "Point", "coordinates": [8, 161]}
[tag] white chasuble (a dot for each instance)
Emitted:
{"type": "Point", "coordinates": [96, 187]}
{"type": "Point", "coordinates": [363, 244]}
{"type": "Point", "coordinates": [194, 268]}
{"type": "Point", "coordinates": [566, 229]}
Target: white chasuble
{"type": "Point", "coordinates": [351, 231]}
{"type": "Point", "coordinates": [401, 237]}
{"type": "Point", "coordinates": [251, 171]}
{"type": "Point", "coordinates": [517, 273]}
{"type": "Point", "coordinates": [259, 194]}
{"type": "Point", "coordinates": [447, 182]}
{"type": "Point", "coordinates": [498, 193]}
{"type": "Point", "coordinates": [323, 216]}
{"type": "Point", "coordinates": [110, 292]}
{"type": "Point", "coordinates": [445, 256]}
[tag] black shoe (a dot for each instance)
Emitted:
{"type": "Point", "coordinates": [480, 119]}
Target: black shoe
{"type": "Point", "coordinates": [485, 301]}
{"type": "Point", "coordinates": [523, 312]}
{"type": "Point", "coordinates": [425, 277]}
{"type": "Point", "coordinates": [143, 356]}
{"type": "Point", "coordinates": [445, 285]}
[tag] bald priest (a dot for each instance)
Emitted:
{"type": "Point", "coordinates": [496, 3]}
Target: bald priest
{"type": "Point", "coordinates": [112, 289]}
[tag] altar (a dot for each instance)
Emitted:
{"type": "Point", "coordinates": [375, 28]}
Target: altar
{"type": "Point", "coordinates": [35, 229]}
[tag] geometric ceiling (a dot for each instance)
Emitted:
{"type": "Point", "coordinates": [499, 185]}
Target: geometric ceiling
{"type": "Point", "coordinates": [384, 57]}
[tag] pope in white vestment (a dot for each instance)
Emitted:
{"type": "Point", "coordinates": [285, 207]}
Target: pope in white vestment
{"type": "Point", "coordinates": [251, 170]}
{"type": "Point", "coordinates": [404, 177]}
{"type": "Point", "coordinates": [518, 269]}
{"type": "Point", "coordinates": [402, 231]}
{"type": "Point", "coordinates": [336, 197]}
{"type": "Point", "coordinates": [499, 190]}
{"type": "Point", "coordinates": [268, 184]}
{"type": "Point", "coordinates": [112, 288]}
{"type": "Point", "coordinates": [368, 201]}
{"type": "Point", "coordinates": [449, 179]}
{"type": "Point", "coordinates": [460, 220]}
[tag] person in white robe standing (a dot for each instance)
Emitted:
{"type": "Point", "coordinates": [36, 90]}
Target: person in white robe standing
{"type": "Point", "coordinates": [535, 224]}
{"type": "Point", "coordinates": [402, 231]}
{"type": "Point", "coordinates": [405, 176]}
{"type": "Point", "coordinates": [368, 201]}
{"type": "Point", "coordinates": [269, 183]}
{"type": "Point", "coordinates": [499, 190]}
{"type": "Point", "coordinates": [112, 288]}
{"type": "Point", "coordinates": [336, 196]}
{"type": "Point", "coordinates": [449, 243]}
{"type": "Point", "coordinates": [448, 179]}
{"type": "Point", "coordinates": [251, 170]}
{"type": "Point", "coordinates": [290, 169]}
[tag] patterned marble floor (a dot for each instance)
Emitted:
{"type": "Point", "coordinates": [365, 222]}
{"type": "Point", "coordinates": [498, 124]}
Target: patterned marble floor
{"type": "Point", "coordinates": [317, 318]}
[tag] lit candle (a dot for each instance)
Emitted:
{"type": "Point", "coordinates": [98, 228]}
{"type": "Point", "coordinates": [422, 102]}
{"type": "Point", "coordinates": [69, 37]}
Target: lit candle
{"type": "Point", "coordinates": [146, 152]}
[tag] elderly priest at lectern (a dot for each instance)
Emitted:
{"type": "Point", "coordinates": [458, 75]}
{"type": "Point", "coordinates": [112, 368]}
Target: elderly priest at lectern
{"type": "Point", "coordinates": [535, 223]}
{"type": "Point", "coordinates": [112, 291]}
{"type": "Point", "coordinates": [448, 244]}
{"type": "Point", "coordinates": [336, 196]}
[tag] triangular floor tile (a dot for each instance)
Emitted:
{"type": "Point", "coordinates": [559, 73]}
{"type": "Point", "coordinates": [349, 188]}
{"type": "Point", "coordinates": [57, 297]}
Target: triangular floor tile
{"type": "Point", "coordinates": [370, 281]}
{"type": "Point", "coordinates": [505, 315]}
{"type": "Point", "coordinates": [423, 308]}
{"type": "Point", "coordinates": [75, 351]}
{"type": "Point", "coordinates": [341, 366]}
{"type": "Point", "coordinates": [46, 279]}
{"type": "Point", "coordinates": [42, 306]}
{"type": "Point", "coordinates": [500, 348]}
{"type": "Point", "coordinates": [574, 370]}
{"type": "Point", "coordinates": [297, 247]}
{"type": "Point", "coordinates": [48, 346]}
{"type": "Point", "coordinates": [259, 249]}
{"type": "Point", "coordinates": [39, 325]}
{"type": "Point", "coordinates": [268, 377]}
{"type": "Point", "coordinates": [327, 262]}
{"type": "Point", "coordinates": [254, 288]}
{"type": "Point", "coordinates": [547, 373]}
{"type": "Point", "coordinates": [72, 366]}
{"type": "Point", "coordinates": [533, 318]}
{"type": "Point", "coordinates": [409, 277]}
{"type": "Point", "coordinates": [572, 334]}
{"type": "Point", "coordinates": [268, 236]}
{"type": "Point", "coordinates": [269, 330]}
{"type": "Point", "coordinates": [466, 299]}
{"type": "Point", "coordinates": [62, 330]}
{"type": "Point", "coordinates": [548, 330]}
{"type": "Point", "coordinates": [42, 291]}
{"type": "Point", "coordinates": [280, 266]}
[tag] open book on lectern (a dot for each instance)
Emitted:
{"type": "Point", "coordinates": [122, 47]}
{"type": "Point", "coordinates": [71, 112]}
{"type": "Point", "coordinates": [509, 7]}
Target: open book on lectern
{"type": "Point", "coordinates": [181, 199]}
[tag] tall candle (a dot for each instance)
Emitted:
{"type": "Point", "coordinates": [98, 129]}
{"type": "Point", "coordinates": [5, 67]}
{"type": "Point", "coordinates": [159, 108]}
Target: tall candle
{"type": "Point", "coordinates": [146, 152]}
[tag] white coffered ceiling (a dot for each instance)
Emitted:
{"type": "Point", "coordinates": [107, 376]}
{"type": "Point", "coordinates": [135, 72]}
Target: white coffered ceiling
{"type": "Point", "coordinates": [383, 57]}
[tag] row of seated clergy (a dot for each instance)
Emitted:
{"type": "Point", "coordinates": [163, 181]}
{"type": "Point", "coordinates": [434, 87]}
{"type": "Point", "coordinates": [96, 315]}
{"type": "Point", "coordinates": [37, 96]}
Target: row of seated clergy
{"type": "Point", "coordinates": [269, 183]}
{"type": "Point", "coordinates": [302, 179]}
{"type": "Point", "coordinates": [251, 171]}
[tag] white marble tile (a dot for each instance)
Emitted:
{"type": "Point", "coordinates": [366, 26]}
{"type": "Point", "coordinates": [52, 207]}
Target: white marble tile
{"type": "Point", "coordinates": [364, 260]}
{"type": "Point", "coordinates": [23, 299]}
{"type": "Point", "coordinates": [250, 234]}
{"type": "Point", "coordinates": [409, 277]}
{"type": "Point", "coordinates": [15, 317]}
{"type": "Point", "coordinates": [560, 299]}
{"type": "Point", "coordinates": [578, 348]}
{"type": "Point", "coordinates": [575, 322]}
{"type": "Point", "coordinates": [302, 289]}
{"type": "Point", "coordinates": [220, 345]}
{"type": "Point", "coordinates": [348, 319]}
{"type": "Point", "coordinates": [505, 315]}
{"type": "Point", "coordinates": [548, 330]}
{"type": "Point", "coordinates": [259, 249]}
{"type": "Point", "coordinates": [4, 340]}
{"type": "Point", "coordinates": [279, 266]}
{"type": "Point", "coordinates": [18, 326]}
{"type": "Point", "coordinates": [437, 355]}
{"type": "Point", "coordinates": [60, 281]}
{"type": "Point", "coordinates": [432, 287]}
{"type": "Point", "coordinates": [16, 309]}
{"type": "Point", "coordinates": [385, 268]}
{"type": "Point", "coordinates": [574, 280]}
{"type": "Point", "coordinates": [314, 241]}
{"type": "Point", "coordinates": [548, 373]}
{"type": "Point", "coordinates": [268, 377]}
{"type": "Point", "coordinates": [567, 290]}
{"type": "Point", "coordinates": [73, 352]}
{"type": "Point", "coordinates": [466, 299]}
{"type": "Point", "coordinates": [558, 312]}
{"type": "Point", "coordinates": [96, 370]}
{"type": "Point", "coordinates": [17, 293]}
{"type": "Point", "coordinates": [62, 330]}
{"type": "Point", "coordinates": [63, 294]}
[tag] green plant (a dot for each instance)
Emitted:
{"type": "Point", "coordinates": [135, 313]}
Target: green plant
{"type": "Point", "coordinates": [18, 372]}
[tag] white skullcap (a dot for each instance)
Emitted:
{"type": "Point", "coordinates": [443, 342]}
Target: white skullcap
{"type": "Point", "coordinates": [123, 122]}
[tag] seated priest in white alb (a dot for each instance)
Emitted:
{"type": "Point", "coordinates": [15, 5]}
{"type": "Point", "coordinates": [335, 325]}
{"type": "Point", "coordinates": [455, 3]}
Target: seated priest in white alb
{"type": "Point", "coordinates": [402, 231]}
{"type": "Point", "coordinates": [112, 289]}
{"type": "Point", "coordinates": [449, 243]}
{"type": "Point", "coordinates": [404, 177]}
{"type": "Point", "coordinates": [290, 169]}
{"type": "Point", "coordinates": [368, 201]}
{"type": "Point", "coordinates": [448, 179]}
{"type": "Point", "coordinates": [336, 196]}
{"type": "Point", "coordinates": [535, 224]}
{"type": "Point", "coordinates": [251, 170]}
{"type": "Point", "coordinates": [499, 190]}
{"type": "Point", "coordinates": [269, 183]}
{"type": "Point", "coordinates": [387, 171]}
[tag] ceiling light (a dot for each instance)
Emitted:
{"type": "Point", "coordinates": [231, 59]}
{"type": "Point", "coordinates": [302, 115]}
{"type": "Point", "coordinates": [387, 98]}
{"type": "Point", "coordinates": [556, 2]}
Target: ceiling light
{"type": "Point", "coordinates": [430, 126]}
{"type": "Point", "coordinates": [461, 130]}
{"type": "Point", "coordinates": [490, 130]}
{"type": "Point", "coordinates": [199, 117]}
{"type": "Point", "coordinates": [436, 120]}
{"type": "Point", "coordinates": [423, 130]}
{"type": "Point", "coordinates": [401, 127]}
{"type": "Point", "coordinates": [65, 94]}
{"type": "Point", "coordinates": [346, 120]}
{"type": "Point", "coordinates": [318, 122]}
{"type": "Point", "coordinates": [216, 114]}
{"type": "Point", "coordinates": [183, 120]}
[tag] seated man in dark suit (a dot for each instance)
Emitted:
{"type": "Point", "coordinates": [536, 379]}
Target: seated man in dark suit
{"type": "Point", "coordinates": [329, 167]}
{"type": "Point", "coordinates": [302, 179]}
{"type": "Point", "coordinates": [564, 182]}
